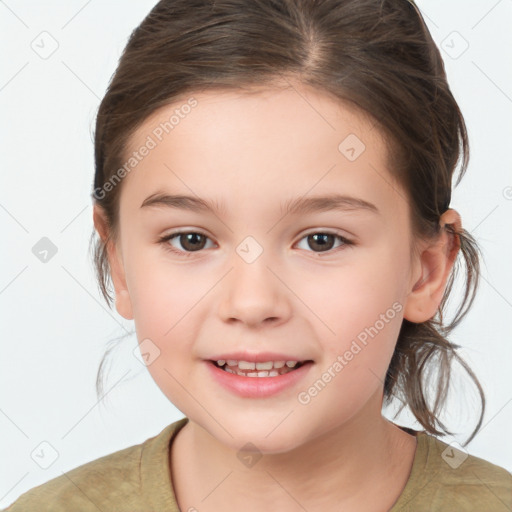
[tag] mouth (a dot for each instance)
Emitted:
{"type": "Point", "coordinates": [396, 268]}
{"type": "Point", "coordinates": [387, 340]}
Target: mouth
{"type": "Point", "coordinates": [265, 376]}
{"type": "Point", "coordinates": [258, 369]}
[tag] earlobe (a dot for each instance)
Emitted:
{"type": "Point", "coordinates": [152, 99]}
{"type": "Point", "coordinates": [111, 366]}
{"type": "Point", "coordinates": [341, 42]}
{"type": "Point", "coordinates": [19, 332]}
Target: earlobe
{"type": "Point", "coordinates": [435, 264]}
{"type": "Point", "coordinates": [124, 304]}
{"type": "Point", "coordinates": [117, 272]}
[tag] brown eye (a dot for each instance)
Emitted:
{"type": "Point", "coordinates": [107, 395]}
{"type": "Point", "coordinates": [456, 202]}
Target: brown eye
{"type": "Point", "coordinates": [192, 241]}
{"type": "Point", "coordinates": [184, 242]}
{"type": "Point", "coordinates": [323, 241]}
{"type": "Point", "coordinates": [320, 242]}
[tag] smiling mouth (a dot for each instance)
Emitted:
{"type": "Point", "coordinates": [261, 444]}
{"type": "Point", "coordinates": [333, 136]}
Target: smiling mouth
{"type": "Point", "coordinates": [263, 369]}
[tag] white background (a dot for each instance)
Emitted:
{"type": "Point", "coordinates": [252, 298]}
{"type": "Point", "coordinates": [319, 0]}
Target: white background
{"type": "Point", "coordinates": [55, 325]}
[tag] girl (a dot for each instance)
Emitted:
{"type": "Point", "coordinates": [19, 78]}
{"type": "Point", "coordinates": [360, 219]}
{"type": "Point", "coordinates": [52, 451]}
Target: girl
{"type": "Point", "coordinates": [272, 199]}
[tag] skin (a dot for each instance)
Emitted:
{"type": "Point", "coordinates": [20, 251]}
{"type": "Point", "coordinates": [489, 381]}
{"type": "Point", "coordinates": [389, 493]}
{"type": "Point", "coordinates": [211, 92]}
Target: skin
{"type": "Point", "coordinates": [241, 150]}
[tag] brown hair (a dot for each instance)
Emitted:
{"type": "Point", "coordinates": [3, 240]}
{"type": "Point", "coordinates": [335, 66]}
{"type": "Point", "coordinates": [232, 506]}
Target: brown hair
{"type": "Point", "coordinates": [378, 56]}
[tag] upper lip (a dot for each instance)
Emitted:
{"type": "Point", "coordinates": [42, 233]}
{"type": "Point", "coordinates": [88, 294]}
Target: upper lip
{"type": "Point", "coordinates": [259, 357]}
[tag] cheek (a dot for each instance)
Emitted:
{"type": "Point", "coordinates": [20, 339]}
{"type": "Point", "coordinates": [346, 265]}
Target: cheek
{"type": "Point", "coordinates": [164, 323]}
{"type": "Point", "coordinates": [162, 292]}
{"type": "Point", "coordinates": [358, 314]}
{"type": "Point", "coordinates": [166, 304]}
{"type": "Point", "coordinates": [365, 315]}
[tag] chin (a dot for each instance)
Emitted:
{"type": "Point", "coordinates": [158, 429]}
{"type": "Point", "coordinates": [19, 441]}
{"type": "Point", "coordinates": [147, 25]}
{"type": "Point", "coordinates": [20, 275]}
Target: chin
{"type": "Point", "coordinates": [264, 437]}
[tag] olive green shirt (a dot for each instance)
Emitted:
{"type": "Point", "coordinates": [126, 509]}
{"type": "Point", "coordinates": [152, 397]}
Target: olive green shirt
{"type": "Point", "coordinates": [138, 479]}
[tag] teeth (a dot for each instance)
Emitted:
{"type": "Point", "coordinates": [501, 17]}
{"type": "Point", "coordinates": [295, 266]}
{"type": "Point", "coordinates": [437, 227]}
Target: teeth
{"type": "Point", "coordinates": [264, 366]}
{"type": "Point", "coordinates": [262, 369]}
{"type": "Point", "coordinates": [245, 365]}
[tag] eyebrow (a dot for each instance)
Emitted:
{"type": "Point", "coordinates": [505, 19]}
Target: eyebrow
{"type": "Point", "coordinates": [301, 205]}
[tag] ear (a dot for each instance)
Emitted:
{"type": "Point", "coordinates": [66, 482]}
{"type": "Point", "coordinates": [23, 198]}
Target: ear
{"type": "Point", "coordinates": [117, 272]}
{"type": "Point", "coordinates": [435, 263]}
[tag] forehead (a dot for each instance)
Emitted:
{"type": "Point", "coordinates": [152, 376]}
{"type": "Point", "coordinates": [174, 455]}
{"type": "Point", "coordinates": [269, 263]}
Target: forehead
{"type": "Point", "coordinates": [268, 144]}
{"type": "Point", "coordinates": [258, 110]}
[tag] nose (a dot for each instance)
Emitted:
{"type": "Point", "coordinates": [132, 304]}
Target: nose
{"type": "Point", "coordinates": [252, 294]}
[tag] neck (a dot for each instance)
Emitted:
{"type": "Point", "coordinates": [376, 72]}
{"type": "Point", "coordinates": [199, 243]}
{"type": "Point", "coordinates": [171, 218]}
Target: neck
{"type": "Point", "coordinates": [348, 467]}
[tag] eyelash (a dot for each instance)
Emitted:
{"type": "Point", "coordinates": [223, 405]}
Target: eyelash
{"type": "Point", "coordinates": [187, 254]}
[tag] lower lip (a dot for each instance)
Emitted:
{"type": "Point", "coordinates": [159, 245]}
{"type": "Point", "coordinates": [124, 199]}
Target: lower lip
{"type": "Point", "coordinates": [258, 387]}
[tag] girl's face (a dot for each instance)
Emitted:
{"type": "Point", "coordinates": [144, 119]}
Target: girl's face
{"type": "Point", "coordinates": [254, 280]}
